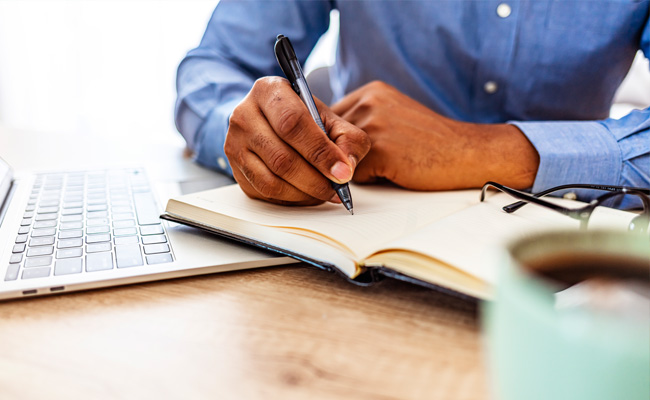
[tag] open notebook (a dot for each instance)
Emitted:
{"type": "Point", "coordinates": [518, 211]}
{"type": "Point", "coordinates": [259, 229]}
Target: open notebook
{"type": "Point", "coordinates": [447, 240]}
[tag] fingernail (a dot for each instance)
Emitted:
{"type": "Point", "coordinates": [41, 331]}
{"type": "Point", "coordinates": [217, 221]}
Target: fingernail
{"type": "Point", "coordinates": [341, 171]}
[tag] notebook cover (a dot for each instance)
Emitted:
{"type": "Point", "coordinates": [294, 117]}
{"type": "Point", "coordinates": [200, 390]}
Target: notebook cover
{"type": "Point", "coordinates": [366, 278]}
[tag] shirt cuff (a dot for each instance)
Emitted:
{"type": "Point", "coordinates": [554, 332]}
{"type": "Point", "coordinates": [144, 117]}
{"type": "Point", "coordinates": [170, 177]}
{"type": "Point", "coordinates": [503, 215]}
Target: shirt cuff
{"type": "Point", "coordinates": [211, 137]}
{"type": "Point", "coordinates": [573, 152]}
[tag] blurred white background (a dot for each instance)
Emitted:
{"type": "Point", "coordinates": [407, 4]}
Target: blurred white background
{"type": "Point", "coordinates": [95, 67]}
{"type": "Point", "coordinates": [104, 68]}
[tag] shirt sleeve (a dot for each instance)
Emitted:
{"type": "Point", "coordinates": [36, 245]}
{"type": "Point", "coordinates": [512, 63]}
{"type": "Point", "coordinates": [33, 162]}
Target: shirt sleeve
{"type": "Point", "coordinates": [610, 151]}
{"type": "Point", "coordinates": [237, 49]}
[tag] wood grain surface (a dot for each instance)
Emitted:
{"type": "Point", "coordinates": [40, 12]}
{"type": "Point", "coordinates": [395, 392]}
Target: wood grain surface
{"type": "Point", "coordinates": [283, 332]}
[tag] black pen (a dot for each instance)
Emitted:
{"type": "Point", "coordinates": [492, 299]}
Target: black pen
{"type": "Point", "coordinates": [291, 68]}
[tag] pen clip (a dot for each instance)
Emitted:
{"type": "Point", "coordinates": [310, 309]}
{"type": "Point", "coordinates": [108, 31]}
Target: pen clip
{"type": "Point", "coordinates": [284, 52]}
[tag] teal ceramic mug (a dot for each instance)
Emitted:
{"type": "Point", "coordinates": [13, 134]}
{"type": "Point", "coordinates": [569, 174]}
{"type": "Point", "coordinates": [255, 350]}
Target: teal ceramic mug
{"type": "Point", "coordinates": [571, 318]}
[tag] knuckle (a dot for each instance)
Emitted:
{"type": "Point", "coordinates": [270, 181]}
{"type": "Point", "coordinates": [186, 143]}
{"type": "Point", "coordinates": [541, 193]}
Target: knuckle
{"type": "Point", "coordinates": [237, 118]}
{"type": "Point", "coordinates": [290, 123]}
{"type": "Point", "coordinates": [378, 86]}
{"type": "Point", "coordinates": [228, 148]}
{"type": "Point", "coordinates": [281, 162]}
{"type": "Point", "coordinates": [319, 155]}
{"type": "Point", "coordinates": [232, 147]}
{"type": "Point", "coordinates": [267, 84]}
{"type": "Point", "coordinates": [268, 187]}
{"type": "Point", "coordinates": [260, 84]}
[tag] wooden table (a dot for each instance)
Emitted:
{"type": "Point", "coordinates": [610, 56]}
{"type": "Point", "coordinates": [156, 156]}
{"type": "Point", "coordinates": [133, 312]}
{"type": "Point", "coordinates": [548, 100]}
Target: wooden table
{"type": "Point", "coordinates": [283, 332]}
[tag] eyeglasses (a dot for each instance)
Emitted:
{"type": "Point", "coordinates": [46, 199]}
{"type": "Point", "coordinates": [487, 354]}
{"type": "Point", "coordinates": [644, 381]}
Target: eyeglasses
{"type": "Point", "coordinates": [638, 224]}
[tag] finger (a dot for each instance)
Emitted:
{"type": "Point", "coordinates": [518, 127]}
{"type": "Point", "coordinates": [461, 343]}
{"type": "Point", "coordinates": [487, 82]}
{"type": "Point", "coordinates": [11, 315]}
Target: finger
{"type": "Point", "coordinates": [348, 102]}
{"type": "Point", "coordinates": [352, 140]}
{"type": "Point", "coordinates": [259, 182]}
{"type": "Point", "coordinates": [253, 194]}
{"type": "Point", "coordinates": [285, 163]}
{"type": "Point", "coordinates": [366, 171]}
{"type": "Point", "coordinates": [291, 121]}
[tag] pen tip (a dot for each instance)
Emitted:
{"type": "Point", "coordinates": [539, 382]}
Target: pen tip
{"type": "Point", "coordinates": [351, 211]}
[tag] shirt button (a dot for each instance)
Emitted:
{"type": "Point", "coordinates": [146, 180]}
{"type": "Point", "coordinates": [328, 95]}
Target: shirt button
{"type": "Point", "coordinates": [504, 10]}
{"type": "Point", "coordinates": [490, 87]}
{"type": "Point", "coordinates": [222, 163]}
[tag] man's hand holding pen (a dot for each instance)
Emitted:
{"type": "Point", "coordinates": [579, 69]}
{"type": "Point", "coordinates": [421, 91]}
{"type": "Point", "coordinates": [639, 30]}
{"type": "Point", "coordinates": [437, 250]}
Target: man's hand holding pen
{"type": "Point", "coordinates": [279, 154]}
{"type": "Point", "coordinates": [419, 149]}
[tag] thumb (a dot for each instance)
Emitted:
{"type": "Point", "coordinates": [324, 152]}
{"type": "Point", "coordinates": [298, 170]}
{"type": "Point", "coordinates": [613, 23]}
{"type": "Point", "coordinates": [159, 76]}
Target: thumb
{"type": "Point", "coordinates": [352, 140]}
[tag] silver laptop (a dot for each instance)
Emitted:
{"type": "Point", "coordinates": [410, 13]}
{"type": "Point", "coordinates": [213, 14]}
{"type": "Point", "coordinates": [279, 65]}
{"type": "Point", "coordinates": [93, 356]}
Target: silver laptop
{"type": "Point", "coordinates": [77, 230]}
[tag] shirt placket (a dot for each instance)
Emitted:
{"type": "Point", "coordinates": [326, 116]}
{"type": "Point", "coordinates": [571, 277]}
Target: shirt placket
{"type": "Point", "coordinates": [498, 30]}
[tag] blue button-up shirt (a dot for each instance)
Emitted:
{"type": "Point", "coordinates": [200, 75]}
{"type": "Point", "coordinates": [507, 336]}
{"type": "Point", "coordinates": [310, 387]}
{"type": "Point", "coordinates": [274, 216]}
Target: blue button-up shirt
{"type": "Point", "coordinates": [549, 67]}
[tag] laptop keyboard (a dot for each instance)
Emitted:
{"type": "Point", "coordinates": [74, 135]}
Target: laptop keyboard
{"type": "Point", "coordinates": [82, 222]}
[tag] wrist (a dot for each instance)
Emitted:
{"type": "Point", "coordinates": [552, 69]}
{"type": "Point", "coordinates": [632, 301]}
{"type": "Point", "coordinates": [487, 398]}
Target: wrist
{"type": "Point", "coordinates": [501, 153]}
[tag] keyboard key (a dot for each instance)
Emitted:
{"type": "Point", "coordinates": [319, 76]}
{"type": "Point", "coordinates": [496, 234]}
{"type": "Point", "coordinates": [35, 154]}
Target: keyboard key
{"type": "Point", "coordinates": [23, 229]}
{"type": "Point", "coordinates": [102, 237]}
{"type": "Point", "coordinates": [71, 225]}
{"type": "Point", "coordinates": [121, 216]}
{"type": "Point", "coordinates": [45, 224]}
{"type": "Point", "coordinates": [145, 208]}
{"type": "Point", "coordinates": [67, 243]}
{"type": "Point", "coordinates": [99, 261]}
{"type": "Point", "coordinates": [40, 251]}
{"type": "Point", "coordinates": [16, 258]}
{"type": "Point", "coordinates": [124, 223]}
{"type": "Point", "coordinates": [21, 238]}
{"type": "Point", "coordinates": [47, 210]}
{"type": "Point", "coordinates": [69, 253]}
{"type": "Point", "coordinates": [72, 204]}
{"type": "Point", "coordinates": [94, 204]}
{"type": "Point", "coordinates": [38, 261]}
{"type": "Point", "coordinates": [156, 248]}
{"type": "Point", "coordinates": [96, 207]}
{"type": "Point", "coordinates": [128, 256]}
{"type": "Point", "coordinates": [125, 231]}
{"type": "Point", "coordinates": [97, 221]}
{"type": "Point", "coordinates": [36, 273]}
{"type": "Point", "coordinates": [18, 248]}
{"type": "Point", "coordinates": [46, 217]}
{"type": "Point", "coordinates": [73, 233]}
{"type": "Point", "coordinates": [98, 229]}
{"type": "Point", "coordinates": [72, 211]}
{"type": "Point", "coordinates": [97, 247]}
{"type": "Point", "coordinates": [71, 218]}
{"type": "Point", "coordinates": [52, 202]}
{"type": "Point", "coordinates": [43, 232]}
{"type": "Point", "coordinates": [154, 239]}
{"type": "Point", "coordinates": [68, 266]}
{"type": "Point", "coordinates": [28, 214]}
{"type": "Point", "coordinates": [97, 214]}
{"type": "Point", "coordinates": [30, 207]}
{"type": "Point", "coordinates": [159, 258]}
{"type": "Point", "coordinates": [151, 230]}
{"type": "Point", "coordinates": [12, 272]}
{"type": "Point", "coordinates": [126, 240]}
{"type": "Point", "coordinates": [41, 241]}
{"type": "Point", "coordinates": [26, 222]}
